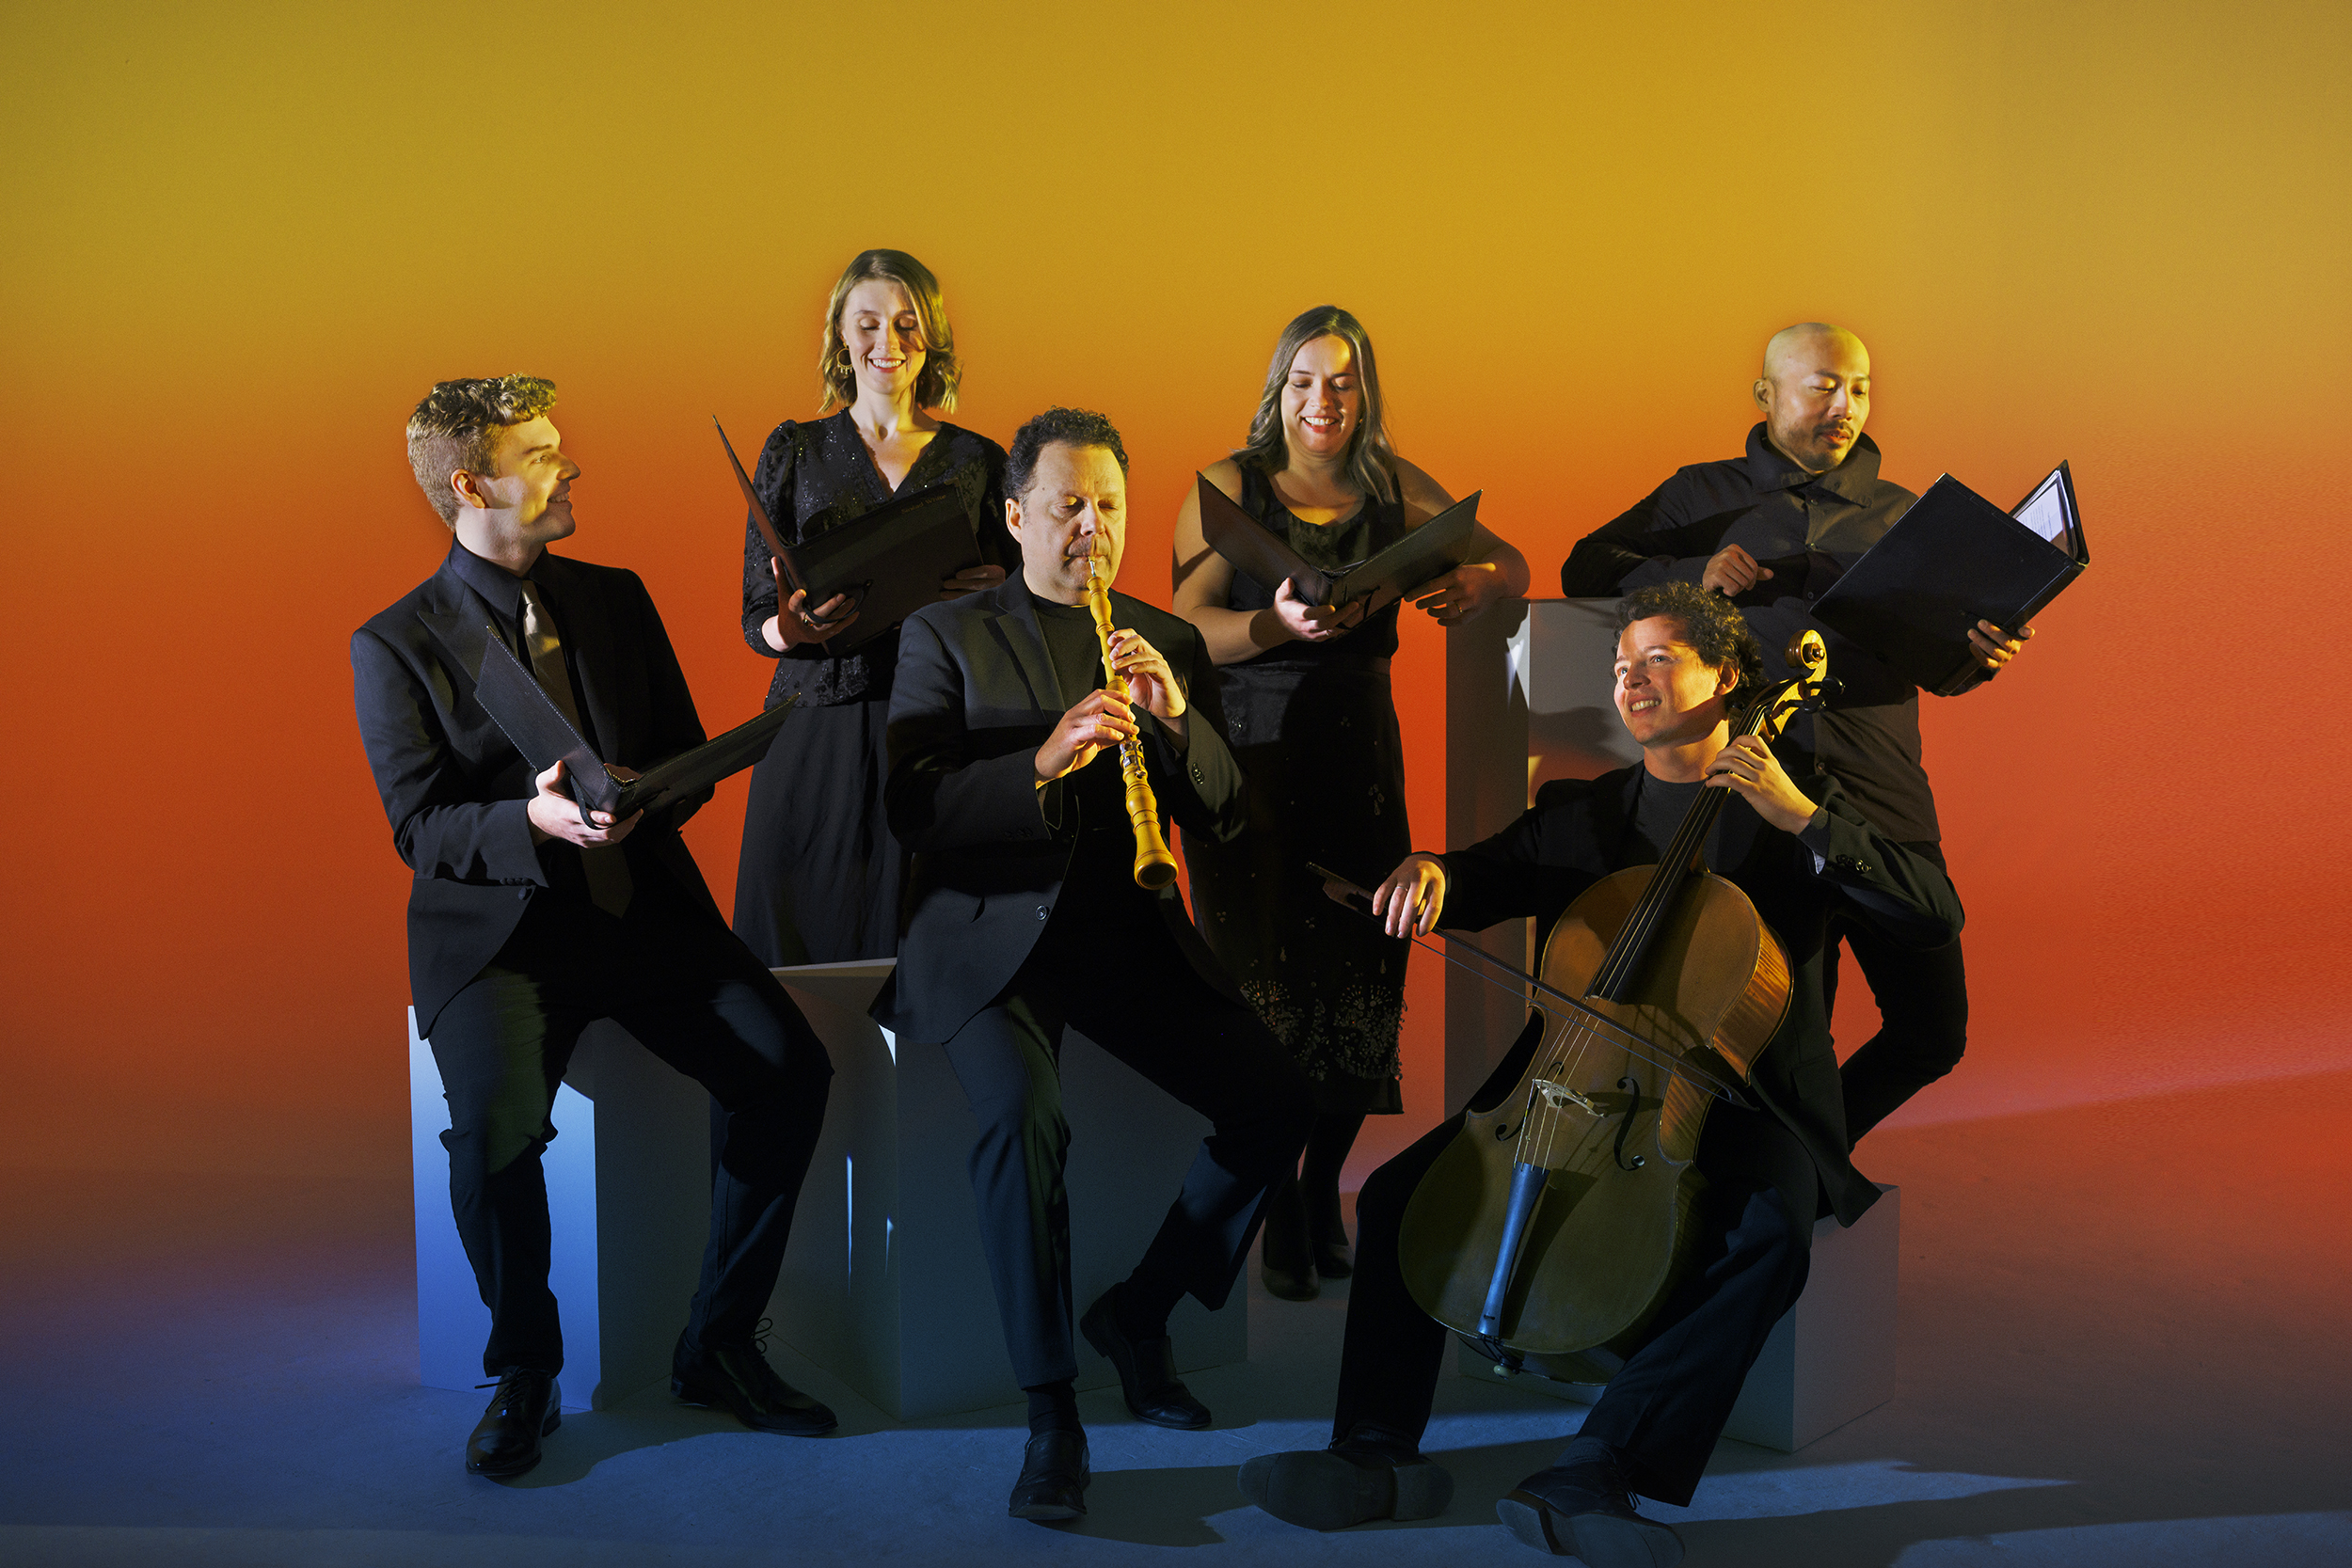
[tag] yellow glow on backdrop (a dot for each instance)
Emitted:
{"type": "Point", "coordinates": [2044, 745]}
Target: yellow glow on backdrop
{"type": "Point", "coordinates": [241, 241]}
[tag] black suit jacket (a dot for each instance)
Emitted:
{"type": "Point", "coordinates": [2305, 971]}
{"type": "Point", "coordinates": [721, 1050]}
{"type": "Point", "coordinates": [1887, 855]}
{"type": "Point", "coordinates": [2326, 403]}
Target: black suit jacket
{"type": "Point", "coordinates": [456, 789]}
{"type": "Point", "coordinates": [1580, 830]}
{"type": "Point", "coordinates": [974, 698]}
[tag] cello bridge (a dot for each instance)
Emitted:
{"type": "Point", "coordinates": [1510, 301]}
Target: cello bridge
{"type": "Point", "coordinates": [1559, 1096]}
{"type": "Point", "coordinates": [1541, 1140]}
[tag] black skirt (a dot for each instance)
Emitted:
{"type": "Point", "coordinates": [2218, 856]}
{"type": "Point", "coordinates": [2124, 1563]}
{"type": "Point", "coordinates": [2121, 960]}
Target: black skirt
{"type": "Point", "coordinates": [1325, 769]}
{"type": "Point", "coordinates": [820, 877]}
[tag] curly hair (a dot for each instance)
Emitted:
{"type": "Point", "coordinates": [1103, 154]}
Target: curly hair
{"type": "Point", "coordinates": [1713, 627]}
{"type": "Point", "coordinates": [1070, 427]}
{"type": "Point", "coordinates": [455, 428]}
{"type": "Point", "coordinates": [1369, 453]}
{"type": "Point", "coordinates": [935, 384]}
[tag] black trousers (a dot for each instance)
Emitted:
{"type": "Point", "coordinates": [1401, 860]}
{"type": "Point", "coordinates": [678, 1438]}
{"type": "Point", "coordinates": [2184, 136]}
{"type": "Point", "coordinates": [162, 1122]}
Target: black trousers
{"type": "Point", "coordinates": [1923, 1016]}
{"type": "Point", "coordinates": [1667, 1406]}
{"type": "Point", "coordinates": [694, 995]}
{"type": "Point", "coordinates": [1116, 976]}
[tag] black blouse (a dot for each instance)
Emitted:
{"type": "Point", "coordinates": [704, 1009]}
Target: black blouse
{"type": "Point", "coordinates": [818, 475]}
{"type": "Point", "coordinates": [1332, 547]}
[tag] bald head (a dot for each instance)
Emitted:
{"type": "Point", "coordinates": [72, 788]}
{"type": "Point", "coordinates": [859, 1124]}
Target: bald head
{"type": "Point", "coordinates": [1814, 392]}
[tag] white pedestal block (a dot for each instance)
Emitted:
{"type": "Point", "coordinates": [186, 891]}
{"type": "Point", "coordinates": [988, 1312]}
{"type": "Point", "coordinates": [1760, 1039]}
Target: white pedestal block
{"type": "Point", "coordinates": [629, 1202]}
{"type": "Point", "coordinates": [884, 1284]}
{"type": "Point", "coordinates": [1830, 1359]}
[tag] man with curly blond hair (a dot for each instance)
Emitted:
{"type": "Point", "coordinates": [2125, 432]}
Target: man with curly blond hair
{"type": "Point", "coordinates": [528, 920]}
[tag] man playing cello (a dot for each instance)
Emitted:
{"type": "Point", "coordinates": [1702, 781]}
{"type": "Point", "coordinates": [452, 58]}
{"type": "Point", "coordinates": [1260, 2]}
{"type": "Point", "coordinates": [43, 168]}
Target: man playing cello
{"type": "Point", "coordinates": [1802, 855]}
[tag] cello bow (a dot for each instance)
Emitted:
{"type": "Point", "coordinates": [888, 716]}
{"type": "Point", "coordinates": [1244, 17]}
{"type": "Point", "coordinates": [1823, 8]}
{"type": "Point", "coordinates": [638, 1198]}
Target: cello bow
{"type": "Point", "coordinates": [1550, 999]}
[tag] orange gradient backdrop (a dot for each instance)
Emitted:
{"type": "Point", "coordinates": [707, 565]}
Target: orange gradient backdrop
{"type": "Point", "coordinates": [241, 241]}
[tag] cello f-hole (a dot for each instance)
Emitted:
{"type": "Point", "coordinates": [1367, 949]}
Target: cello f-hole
{"type": "Point", "coordinates": [1633, 1102]}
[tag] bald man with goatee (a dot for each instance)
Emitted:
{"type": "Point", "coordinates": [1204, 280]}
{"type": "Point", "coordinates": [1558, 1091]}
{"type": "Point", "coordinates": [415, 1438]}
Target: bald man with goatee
{"type": "Point", "coordinates": [1771, 530]}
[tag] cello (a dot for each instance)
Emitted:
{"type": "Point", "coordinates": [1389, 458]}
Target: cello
{"type": "Point", "coordinates": [1553, 1227]}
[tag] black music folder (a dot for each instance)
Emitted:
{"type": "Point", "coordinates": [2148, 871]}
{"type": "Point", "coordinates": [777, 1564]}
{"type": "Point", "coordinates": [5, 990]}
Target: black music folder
{"type": "Point", "coordinates": [1431, 550]}
{"type": "Point", "coordinates": [521, 708]}
{"type": "Point", "coordinates": [890, 561]}
{"type": "Point", "coordinates": [1952, 560]}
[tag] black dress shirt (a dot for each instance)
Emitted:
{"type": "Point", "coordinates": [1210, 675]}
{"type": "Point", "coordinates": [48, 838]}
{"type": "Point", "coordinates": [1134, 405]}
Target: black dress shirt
{"type": "Point", "coordinates": [502, 591]}
{"type": "Point", "coordinates": [1807, 528]}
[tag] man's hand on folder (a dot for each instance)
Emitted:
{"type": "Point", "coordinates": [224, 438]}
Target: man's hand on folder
{"type": "Point", "coordinates": [553, 814]}
{"type": "Point", "coordinates": [1732, 571]}
{"type": "Point", "coordinates": [1995, 647]}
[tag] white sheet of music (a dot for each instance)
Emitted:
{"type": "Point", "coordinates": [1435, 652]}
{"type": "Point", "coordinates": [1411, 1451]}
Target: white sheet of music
{"type": "Point", "coordinates": [2044, 512]}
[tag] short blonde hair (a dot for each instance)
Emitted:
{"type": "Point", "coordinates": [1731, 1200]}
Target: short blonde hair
{"type": "Point", "coordinates": [455, 428]}
{"type": "Point", "coordinates": [1369, 453]}
{"type": "Point", "coordinates": [935, 384]}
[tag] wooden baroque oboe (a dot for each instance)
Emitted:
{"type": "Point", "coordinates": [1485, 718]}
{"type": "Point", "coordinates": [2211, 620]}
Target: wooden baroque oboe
{"type": "Point", "coordinates": [1155, 866]}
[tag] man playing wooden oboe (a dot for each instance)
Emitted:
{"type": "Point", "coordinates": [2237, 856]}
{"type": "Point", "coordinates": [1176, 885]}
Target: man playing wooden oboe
{"type": "Point", "coordinates": [1024, 919]}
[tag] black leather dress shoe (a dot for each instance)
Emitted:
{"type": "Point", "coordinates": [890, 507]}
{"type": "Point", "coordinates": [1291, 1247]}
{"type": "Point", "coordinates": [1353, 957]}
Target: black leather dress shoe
{"type": "Point", "coordinates": [1147, 1369]}
{"type": "Point", "coordinates": [1587, 1511]}
{"type": "Point", "coordinates": [527, 1406]}
{"type": "Point", "coordinates": [1335, 1488]}
{"type": "Point", "coordinates": [1331, 1258]}
{"type": "Point", "coordinates": [1054, 1477]}
{"type": "Point", "coordinates": [738, 1379]}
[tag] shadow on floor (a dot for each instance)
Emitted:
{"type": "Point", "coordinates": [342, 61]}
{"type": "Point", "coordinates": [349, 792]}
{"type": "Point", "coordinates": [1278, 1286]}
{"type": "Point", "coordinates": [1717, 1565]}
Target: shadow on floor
{"type": "Point", "coordinates": [2120, 1330]}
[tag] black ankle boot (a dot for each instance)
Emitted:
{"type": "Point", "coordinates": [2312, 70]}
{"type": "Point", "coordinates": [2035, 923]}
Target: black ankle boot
{"type": "Point", "coordinates": [1327, 1236]}
{"type": "Point", "coordinates": [1287, 1261]}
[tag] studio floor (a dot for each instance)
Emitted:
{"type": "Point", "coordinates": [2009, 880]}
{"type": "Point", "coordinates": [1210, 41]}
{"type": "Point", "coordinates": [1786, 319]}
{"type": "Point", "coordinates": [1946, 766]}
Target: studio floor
{"type": "Point", "coordinates": [212, 1370]}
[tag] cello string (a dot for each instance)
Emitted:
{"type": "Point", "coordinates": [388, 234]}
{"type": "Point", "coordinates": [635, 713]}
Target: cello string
{"type": "Point", "coordinates": [1682, 857]}
{"type": "Point", "coordinates": [1553, 1002]}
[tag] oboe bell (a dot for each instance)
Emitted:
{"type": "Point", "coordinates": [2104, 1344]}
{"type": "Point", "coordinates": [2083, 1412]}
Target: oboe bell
{"type": "Point", "coordinates": [1155, 867]}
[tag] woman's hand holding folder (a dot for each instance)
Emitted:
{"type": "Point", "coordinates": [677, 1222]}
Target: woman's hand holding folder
{"type": "Point", "coordinates": [796, 624]}
{"type": "Point", "coordinates": [1312, 623]}
{"type": "Point", "coordinates": [1463, 593]}
{"type": "Point", "coordinates": [972, 580]}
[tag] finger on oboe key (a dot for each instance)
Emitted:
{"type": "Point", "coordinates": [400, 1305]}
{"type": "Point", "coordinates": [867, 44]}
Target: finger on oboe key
{"type": "Point", "coordinates": [1155, 866]}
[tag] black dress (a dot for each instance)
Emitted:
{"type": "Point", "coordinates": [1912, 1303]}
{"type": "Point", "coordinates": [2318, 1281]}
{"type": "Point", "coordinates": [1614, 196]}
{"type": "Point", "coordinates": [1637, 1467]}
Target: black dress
{"type": "Point", "coordinates": [820, 877]}
{"type": "Point", "coordinates": [1314, 728]}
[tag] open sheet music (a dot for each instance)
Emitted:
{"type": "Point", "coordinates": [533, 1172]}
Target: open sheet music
{"type": "Point", "coordinates": [1952, 560]}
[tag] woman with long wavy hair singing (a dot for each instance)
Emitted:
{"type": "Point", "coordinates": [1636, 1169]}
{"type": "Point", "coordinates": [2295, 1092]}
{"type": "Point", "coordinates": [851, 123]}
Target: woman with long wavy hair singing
{"type": "Point", "coordinates": [1309, 716]}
